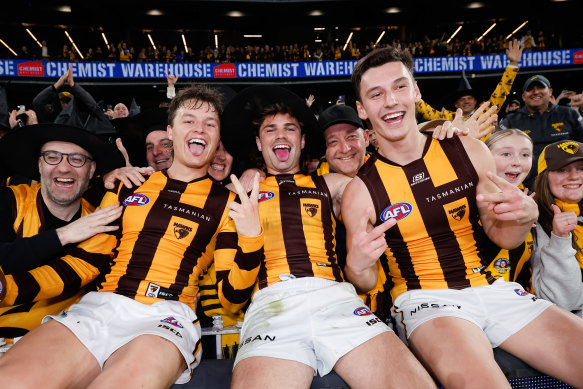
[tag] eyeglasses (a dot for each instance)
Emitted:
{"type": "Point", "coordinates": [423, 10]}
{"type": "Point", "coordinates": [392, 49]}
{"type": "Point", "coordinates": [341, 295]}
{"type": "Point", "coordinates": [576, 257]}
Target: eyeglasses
{"type": "Point", "coordinates": [54, 158]}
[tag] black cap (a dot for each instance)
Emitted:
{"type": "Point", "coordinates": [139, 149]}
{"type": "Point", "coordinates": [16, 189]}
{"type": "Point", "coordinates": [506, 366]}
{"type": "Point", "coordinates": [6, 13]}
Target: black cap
{"type": "Point", "coordinates": [536, 79]}
{"type": "Point", "coordinates": [339, 114]}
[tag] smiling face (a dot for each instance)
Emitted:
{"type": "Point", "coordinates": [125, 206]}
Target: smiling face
{"type": "Point", "coordinates": [537, 97]}
{"type": "Point", "coordinates": [120, 111]}
{"type": "Point", "coordinates": [467, 104]}
{"type": "Point", "coordinates": [195, 135]}
{"type": "Point", "coordinates": [345, 147]}
{"type": "Point", "coordinates": [63, 185]}
{"type": "Point", "coordinates": [281, 142]}
{"type": "Point", "coordinates": [159, 150]}
{"type": "Point", "coordinates": [513, 157]}
{"type": "Point", "coordinates": [566, 183]}
{"type": "Point", "coordinates": [388, 95]}
{"type": "Point", "coordinates": [221, 166]}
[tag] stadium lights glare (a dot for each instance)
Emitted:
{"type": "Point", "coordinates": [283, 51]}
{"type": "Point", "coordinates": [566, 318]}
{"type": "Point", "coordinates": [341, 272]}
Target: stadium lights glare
{"type": "Point", "coordinates": [152, 42]}
{"type": "Point", "coordinates": [348, 41]}
{"type": "Point", "coordinates": [184, 43]}
{"type": "Point", "coordinates": [319, 28]}
{"type": "Point", "coordinates": [235, 14]}
{"type": "Point", "coordinates": [9, 48]}
{"type": "Point", "coordinates": [34, 37]}
{"type": "Point", "coordinates": [74, 45]}
{"type": "Point", "coordinates": [216, 41]}
{"type": "Point", "coordinates": [105, 39]}
{"type": "Point", "coordinates": [252, 36]}
{"type": "Point", "coordinates": [487, 31]}
{"type": "Point", "coordinates": [316, 12]}
{"type": "Point", "coordinates": [517, 28]}
{"type": "Point", "coordinates": [380, 37]}
{"type": "Point", "coordinates": [454, 34]}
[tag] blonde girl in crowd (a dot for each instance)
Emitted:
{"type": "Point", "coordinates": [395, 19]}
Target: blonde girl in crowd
{"type": "Point", "coordinates": [512, 151]}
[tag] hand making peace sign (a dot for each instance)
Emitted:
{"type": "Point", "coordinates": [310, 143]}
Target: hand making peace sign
{"type": "Point", "coordinates": [246, 213]}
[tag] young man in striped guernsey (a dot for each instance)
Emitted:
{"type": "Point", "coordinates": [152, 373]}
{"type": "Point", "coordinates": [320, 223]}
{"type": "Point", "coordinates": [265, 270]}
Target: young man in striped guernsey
{"type": "Point", "coordinates": [140, 328]}
{"type": "Point", "coordinates": [303, 318]}
{"type": "Point", "coordinates": [40, 223]}
{"type": "Point", "coordinates": [424, 199]}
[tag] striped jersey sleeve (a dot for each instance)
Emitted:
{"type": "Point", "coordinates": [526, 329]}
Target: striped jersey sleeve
{"type": "Point", "coordinates": [78, 267]}
{"type": "Point", "coordinates": [237, 262]}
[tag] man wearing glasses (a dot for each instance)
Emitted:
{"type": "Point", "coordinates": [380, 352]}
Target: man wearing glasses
{"type": "Point", "coordinates": [41, 223]}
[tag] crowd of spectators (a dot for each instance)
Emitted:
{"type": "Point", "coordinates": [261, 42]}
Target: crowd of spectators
{"type": "Point", "coordinates": [295, 52]}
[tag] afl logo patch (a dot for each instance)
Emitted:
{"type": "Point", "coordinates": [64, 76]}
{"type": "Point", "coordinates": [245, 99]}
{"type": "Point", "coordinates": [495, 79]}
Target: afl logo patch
{"type": "Point", "coordinates": [521, 292]}
{"type": "Point", "coordinates": [264, 196]}
{"type": "Point", "coordinates": [136, 199]}
{"type": "Point", "coordinates": [362, 311]}
{"type": "Point", "coordinates": [396, 211]}
{"type": "Point", "coordinates": [173, 321]}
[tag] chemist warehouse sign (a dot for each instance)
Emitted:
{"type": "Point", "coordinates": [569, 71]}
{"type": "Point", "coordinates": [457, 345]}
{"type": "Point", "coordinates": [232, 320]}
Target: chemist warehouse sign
{"type": "Point", "coordinates": [130, 70]}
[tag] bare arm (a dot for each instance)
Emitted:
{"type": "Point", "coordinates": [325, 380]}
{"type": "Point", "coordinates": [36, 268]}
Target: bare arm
{"type": "Point", "coordinates": [364, 242]}
{"type": "Point", "coordinates": [336, 184]}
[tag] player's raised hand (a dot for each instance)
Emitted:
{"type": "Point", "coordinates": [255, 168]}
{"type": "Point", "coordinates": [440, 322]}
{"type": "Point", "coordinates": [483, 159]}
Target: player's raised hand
{"type": "Point", "coordinates": [368, 246]}
{"type": "Point", "coordinates": [482, 122]}
{"type": "Point", "coordinates": [246, 213]}
{"type": "Point", "coordinates": [452, 128]}
{"type": "Point", "coordinates": [510, 203]}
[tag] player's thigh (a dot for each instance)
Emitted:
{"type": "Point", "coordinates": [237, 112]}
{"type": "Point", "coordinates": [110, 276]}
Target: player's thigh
{"type": "Point", "coordinates": [148, 361]}
{"type": "Point", "coordinates": [266, 372]}
{"type": "Point", "coordinates": [383, 362]}
{"type": "Point", "coordinates": [458, 353]}
{"type": "Point", "coordinates": [50, 350]}
{"type": "Point", "coordinates": [551, 343]}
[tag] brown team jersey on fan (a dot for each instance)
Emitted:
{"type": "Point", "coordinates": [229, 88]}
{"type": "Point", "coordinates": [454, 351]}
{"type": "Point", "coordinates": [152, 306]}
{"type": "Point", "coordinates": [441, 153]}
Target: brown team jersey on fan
{"type": "Point", "coordinates": [296, 215]}
{"type": "Point", "coordinates": [169, 232]}
{"type": "Point", "coordinates": [437, 240]}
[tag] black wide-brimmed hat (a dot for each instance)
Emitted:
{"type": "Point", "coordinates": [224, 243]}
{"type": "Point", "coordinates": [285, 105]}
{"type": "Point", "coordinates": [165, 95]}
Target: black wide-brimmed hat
{"type": "Point", "coordinates": [464, 89]}
{"type": "Point", "coordinates": [20, 149]}
{"type": "Point", "coordinates": [238, 128]}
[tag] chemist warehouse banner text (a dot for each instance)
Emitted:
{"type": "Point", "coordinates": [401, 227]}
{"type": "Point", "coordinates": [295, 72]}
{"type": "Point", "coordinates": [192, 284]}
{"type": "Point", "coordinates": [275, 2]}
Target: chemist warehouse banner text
{"type": "Point", "coordinates": [133, 70]}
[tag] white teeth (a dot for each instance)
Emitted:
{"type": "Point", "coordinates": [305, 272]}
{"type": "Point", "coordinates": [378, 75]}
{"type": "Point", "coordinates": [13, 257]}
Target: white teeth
{"type": "Point", "coordinates": [65, 179]}
{"type": "Point", "coordinates": [392, 116]}
{"type": "Point", "coordinates": [161, 160]}
{"type": "Point", "coordinates": [281, 147]}
{"type": "Point", "coordinates": [218, 167]}
{"type": "Point", "coordinates": [197, 141]}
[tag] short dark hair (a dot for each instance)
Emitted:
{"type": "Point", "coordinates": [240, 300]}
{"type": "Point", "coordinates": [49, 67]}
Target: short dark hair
{"type": "Point", "coordinates": [275, 109]}
{"type": "Point", "coordinates": [376, 58]}
{"type": "Point", "coordinates": [200, 94]}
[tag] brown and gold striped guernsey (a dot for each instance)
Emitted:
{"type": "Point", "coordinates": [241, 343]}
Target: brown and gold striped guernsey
{"type": "Point", "coordinates": [170, 230]}
{"type": "Point", "coordinates": [27, 300]}
{"type": "Point", "coordinates": [437, 241]}
{"type": "Point", "coordinates": [517, 263]}
{"type": "Point", "coordinates": [299, 227]}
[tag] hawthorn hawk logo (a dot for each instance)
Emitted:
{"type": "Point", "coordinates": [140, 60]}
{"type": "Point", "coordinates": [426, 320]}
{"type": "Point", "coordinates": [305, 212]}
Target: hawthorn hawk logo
{"type": "Point", "coordinates": [181, 231]}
